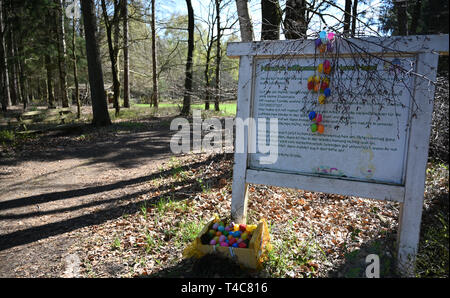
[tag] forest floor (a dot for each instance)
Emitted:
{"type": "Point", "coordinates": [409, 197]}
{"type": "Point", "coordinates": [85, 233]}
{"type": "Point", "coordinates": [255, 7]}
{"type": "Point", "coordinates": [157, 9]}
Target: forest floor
{"type": "Point", "coordinates": [115, 202]}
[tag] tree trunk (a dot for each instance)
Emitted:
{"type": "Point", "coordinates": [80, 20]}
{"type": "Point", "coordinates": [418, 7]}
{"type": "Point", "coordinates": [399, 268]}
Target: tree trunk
{"type": "Point", "coordinates": [207, 75]}
{"type": "Point", "coordinates": [295, 24]}
{"type": "Point", "coordinates": [12, 69]}
{"type": "Point", "coordinates": [154, 61]}
{"type": "Point", "coordinates": [50, 95]}
{"type": "Point", "coordinates": [4, 86]}
{"type": "Point", "coordinates": [126, 68]}
{"type": "Point", "coordinates": [347, 17]}
{"type": "Point", "coordinates": [99, 105]}
{"type": "Point", "coordinates": [354, 16]}
{"type": "Point", "coordinates": [245, 23]}
{"type": "Point", "coordinates": [416, 17]}
{"type": "Point", "coordinates": [62, 54]}
{"type": "Point", "coordinates": [75, 72]}
{"type": "Point", "coordinates": [218, 56]}
{"type": "Point", "coordinates": [113, 49]}
{"type": "Point", "coordinates": [402, 21]}
{"type": "Point", "coordinates": [271, 19]}
{"type": "Point", "coordinates": [188, 79]}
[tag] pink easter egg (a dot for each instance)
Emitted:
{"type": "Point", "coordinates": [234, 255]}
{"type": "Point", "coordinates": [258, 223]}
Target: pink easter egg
{"type": "Point", "coordinates": [330, 35]}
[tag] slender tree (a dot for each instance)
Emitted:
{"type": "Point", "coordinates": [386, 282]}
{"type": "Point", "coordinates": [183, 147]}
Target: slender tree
{"type": "Point", "coordinates": [99, 105]}
{"type": "Point", "coordinates": [112, 28]}
{"type": "Point", "coordinates": [402, 18]}
{"type": "Point", "coordinates": [75, 72]}
{"type": "Point", "coordinates": [189, 72]}
{"type": "Point", "coordinates": [154, 59]}
{"type": "Point", "coordinates": [126, 68]}
{"type": "Point", "coordinates": [347, 16]}
{"type": "Point", "coordinates": [62, 55]}
{"type": "Point", "coordinates": [4, 87]}
{"type": "Point", "coordinates": [218, 56]}
{"type": "Point", "coordinates": [354, 16]}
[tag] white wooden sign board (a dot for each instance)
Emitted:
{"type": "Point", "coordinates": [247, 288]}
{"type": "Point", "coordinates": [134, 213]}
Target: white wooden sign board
{"type": "Point", "coordinates": [378, 154]}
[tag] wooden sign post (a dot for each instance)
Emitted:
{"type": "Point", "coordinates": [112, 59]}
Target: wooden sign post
{"type": "Point", "coordinates": [377, 122]}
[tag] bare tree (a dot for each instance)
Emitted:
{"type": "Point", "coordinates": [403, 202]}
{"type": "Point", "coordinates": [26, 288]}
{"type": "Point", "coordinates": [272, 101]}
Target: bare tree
{"type": "Point", "coordinates": [154, 60]}
{"type": "Point", "coordinates": [4, 92]}
{"type": "Point", "coordinates": [75, 72]}
{"type": "Point", "coordinates": [61, 52]}
{"type": "Point", "coordinates": [188, 80]}
{"type": "Point", "coordinates": [126, 68]}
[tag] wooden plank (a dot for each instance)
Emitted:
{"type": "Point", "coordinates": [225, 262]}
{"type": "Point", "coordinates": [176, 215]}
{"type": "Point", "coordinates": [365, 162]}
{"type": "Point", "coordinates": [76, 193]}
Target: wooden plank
{"type": "Point", "coordinates": [381, 45]}
{"type": "Point", "coordinates": [239, 187]}
{"type": "Point", "coordinates": [327, 185]}
{"type": "Point", "coordinates": [411, 209]}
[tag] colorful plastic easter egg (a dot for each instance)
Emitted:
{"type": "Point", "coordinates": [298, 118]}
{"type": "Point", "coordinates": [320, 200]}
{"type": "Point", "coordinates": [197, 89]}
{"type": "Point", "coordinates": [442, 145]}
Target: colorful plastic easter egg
{"type": "Point", "coordinates": [327, 70]}
{"type": "Point", "coordinates": [316, 79]}
{"type": "Point", "coordinates": [323, 86]}
{"type": "Point", "coordinates": [313, 127]}
{"type": "Point", "coordinates": [236, 227]}
{"type": "Point", "coordinates": [322, 34]}
{"type": "Point", "coordinates": [217, 244]}
{"type": "Point", "coordinates": [320, 128]}
{"type": "Point", "coordinates": [320, 68]}
{"type": "Point", "coordinates": [222, 238]}
{"type": "Point", "coordinates": [216, 238]}
{"type": "Point", "coordinates": [318, 42]}
{"type": "Point", "coordinates": [326, 64]}
{"type": "Point", "coordinates": [319, 118]}
{"type": "Point", "coordinates": [227, 240]}
{"type": "Point", "coordinates": [310, 85]}
{"type": "Point", "coordinates": [224, 244]}
{"type": "Point", "coordinates": [321, 99]}
{"type": "Point", "coordinates": [225, 233]}
{"type": "Point", "coordinates": [244, 236]}
{"type": "Point", "coordinates": [327, 92]}
{"type": "Point", "coordinates": [251, 228]}
{"type": "Point", "coordinates": [330, 35]}
{"type": "Point", "coordinates": [316, 87]}
{"type": "Point", "coordinates": [212, 242]}
{"type": "Point", "coordinates": [221, 228]}
{"type": "Point", "coordinates": [322, 48]}
{"type": "Point", "coordinates": [235, 244]}
{"type": "Point", "coordinates": [215, 226]}
{"type": "Point", "coordinates": [218, 233]}
{"type": "Point", "coordinates": [212, 232]}
{"type": "Point", "coordinates": [237, 234]}
{"type": "Point", "coordinates": [242, 245]}
{"type": "Point", "coordinates": [312, 115]}
{"type": "Point", "coordinates": [231, 241]}
{"type": "Point", "coordinates": [310, 79]}
{"type": "Point", "coordinates": [242, 227]}
{"type": "Point", "coordinates": [239, 240]}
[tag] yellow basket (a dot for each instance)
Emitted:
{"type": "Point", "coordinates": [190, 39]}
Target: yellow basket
{"type": "Point", "coordinates": [251, 257]}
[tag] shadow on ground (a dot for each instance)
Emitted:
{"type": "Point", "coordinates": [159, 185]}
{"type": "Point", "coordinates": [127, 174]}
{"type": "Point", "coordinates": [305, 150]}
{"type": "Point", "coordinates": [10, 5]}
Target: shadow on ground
{"type": "Point", "coordinates": [40, 232]}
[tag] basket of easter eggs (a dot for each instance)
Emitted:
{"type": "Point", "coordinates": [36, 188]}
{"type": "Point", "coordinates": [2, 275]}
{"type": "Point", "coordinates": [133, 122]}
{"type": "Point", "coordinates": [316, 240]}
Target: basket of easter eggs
{"type": "Point", "coordinates": [246, 244]}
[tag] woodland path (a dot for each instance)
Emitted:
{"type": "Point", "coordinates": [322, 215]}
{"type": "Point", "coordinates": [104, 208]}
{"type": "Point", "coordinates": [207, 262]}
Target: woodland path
{"type": "Point", "coordinates": [62, 182]}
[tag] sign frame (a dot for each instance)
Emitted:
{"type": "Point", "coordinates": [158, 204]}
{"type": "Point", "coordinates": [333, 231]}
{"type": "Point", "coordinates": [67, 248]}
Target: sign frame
{"type": "Point", "coordinates": [427, 49]}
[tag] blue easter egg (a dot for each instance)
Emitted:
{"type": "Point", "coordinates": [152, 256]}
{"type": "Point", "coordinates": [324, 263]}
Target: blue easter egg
{"type": "Point", "coordinates": [318, 42]}
{"type": "Point", "coordinates": [237, 234]}
{"type": "Point", "coordinates": [322, 35]}
{"type": "Point", "coordinates": [235, 244]}
{"type": "Point", "coordinates": [221, 228]}
{"type": "Point", "coordinates": [312, 115]}
{"type": "Point", "coordinates": [327, 92]}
